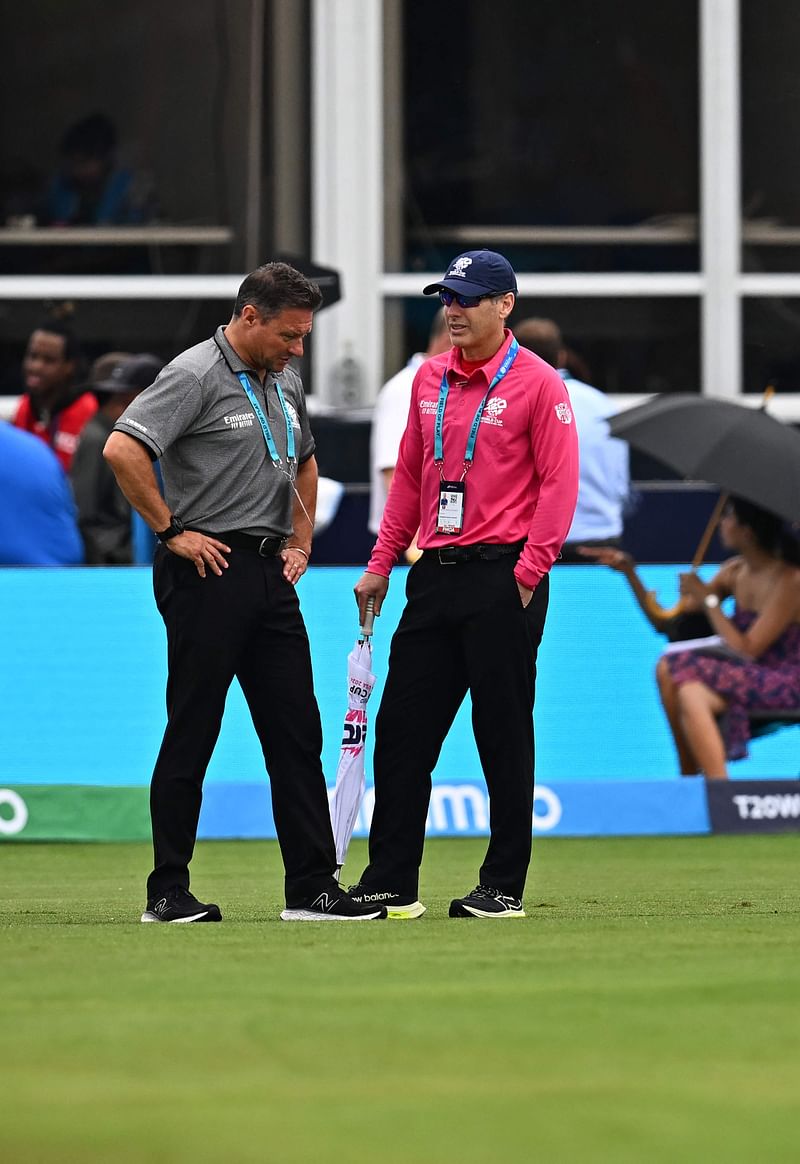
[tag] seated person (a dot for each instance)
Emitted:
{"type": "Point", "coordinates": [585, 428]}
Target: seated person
{"type": "Point", "coordinates": [38, 522]}
{"type": "Point", "coordinates": [54, 407]}
{"type": "Point", "coordinates": [90, 188]}
{"type": "Point", "coordinates": [104, 515]}
{"type": "Point", "coordinates": [764, 634]}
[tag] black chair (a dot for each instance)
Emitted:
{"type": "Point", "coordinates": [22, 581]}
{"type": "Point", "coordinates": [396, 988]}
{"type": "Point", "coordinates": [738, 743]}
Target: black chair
{"type": "Point", "coordinates": [764, 721]}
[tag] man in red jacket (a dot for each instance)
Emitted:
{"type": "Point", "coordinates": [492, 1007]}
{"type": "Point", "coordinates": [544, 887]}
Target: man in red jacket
{"type": "Point", "coordinates": [488, 469]}
{"type": "Point", "coordinates": [53, 407]}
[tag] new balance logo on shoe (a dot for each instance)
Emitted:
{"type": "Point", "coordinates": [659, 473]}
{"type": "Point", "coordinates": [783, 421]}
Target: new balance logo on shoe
{"type": "Point", "coordinates": [333, 905]}
{"type": "Point", "coordinates": [179, 905]}
{"type": "Point", "coordinates": [398, 907]}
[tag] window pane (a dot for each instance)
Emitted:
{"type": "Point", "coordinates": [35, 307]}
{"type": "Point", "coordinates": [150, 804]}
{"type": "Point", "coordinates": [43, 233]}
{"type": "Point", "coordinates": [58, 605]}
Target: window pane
{"type": "Point", "coordinates": [628, 345]}
{"type": "Point", "coordinates": [589, 119]}
{"type": "Point", "coordinates": [162, 326]}
{"type": "Point", "coordinates": [631, 345]}
{"type": "Point", "coordinates": [770, 42]}
{"type": "Point", "coordinates": [771, 330]}
{"type": "Point", "coordinates": [167, 96]}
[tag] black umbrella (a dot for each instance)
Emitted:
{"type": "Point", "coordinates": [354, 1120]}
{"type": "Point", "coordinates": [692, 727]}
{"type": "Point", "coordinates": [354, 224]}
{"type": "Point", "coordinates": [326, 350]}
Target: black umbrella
{"type": "Point", "coordinates": [743, 450]}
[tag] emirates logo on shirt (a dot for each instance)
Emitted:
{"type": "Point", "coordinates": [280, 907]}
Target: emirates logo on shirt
{"type": "Point", "coordinates": [240, 420]}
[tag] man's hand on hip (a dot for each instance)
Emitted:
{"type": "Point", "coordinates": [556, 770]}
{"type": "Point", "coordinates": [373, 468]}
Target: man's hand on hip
{"type": "Point", "coordinates": [200, 549]}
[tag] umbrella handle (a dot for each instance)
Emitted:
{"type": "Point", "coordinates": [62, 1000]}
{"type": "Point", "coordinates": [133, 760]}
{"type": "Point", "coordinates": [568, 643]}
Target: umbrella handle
{"type": "Point", "coordinates": [710, 529]}
{"type": "Point", "coordinates": [369, 619]}
{"type": "Point", "coordinates": [653, 605]}
{"type": "Point", "coordinates": [655, 608]}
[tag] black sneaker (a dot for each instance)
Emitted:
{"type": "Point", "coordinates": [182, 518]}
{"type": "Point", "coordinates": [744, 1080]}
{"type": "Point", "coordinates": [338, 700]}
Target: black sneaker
{"type": "Point", "coordinates": [397, 906]}
{"type": "Point", "coordinates": [486, 902]}
{"type": "Point", "coordinates": [179, 905]}
{"type": "Point", "coordinates": [333, 905]}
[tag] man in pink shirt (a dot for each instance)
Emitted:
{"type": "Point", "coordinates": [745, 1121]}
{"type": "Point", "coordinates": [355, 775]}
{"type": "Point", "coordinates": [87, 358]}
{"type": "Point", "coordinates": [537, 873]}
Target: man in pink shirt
{"type": "Point", "coordinates": [488, 470]}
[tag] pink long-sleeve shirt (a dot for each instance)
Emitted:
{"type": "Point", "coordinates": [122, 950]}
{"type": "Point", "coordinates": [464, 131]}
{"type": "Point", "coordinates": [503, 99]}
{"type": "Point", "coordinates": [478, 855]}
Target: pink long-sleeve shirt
{"type": "Point", "coordinates": [523, 482]}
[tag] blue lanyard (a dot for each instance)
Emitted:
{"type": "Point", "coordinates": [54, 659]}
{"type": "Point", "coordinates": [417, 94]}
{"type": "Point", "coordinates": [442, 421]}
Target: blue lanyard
{"type": "Point", "coordinates": [262, 420]}
{"type": "Point", "coordinates": [438, 453]}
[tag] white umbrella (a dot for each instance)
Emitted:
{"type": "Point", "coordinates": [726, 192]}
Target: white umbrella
{"type": "Point", "coordinates": [350, 776]}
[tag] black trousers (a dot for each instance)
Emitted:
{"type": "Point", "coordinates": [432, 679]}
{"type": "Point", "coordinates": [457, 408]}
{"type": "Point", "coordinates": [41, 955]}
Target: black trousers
{"type": "Point", "coordinates": [245, 624]}
{"type": "Point", "coordinates": [463, 629]}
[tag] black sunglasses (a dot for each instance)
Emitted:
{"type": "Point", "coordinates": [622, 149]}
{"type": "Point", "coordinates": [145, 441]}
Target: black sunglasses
{"type": "Point", "coordinates": [447, 297]}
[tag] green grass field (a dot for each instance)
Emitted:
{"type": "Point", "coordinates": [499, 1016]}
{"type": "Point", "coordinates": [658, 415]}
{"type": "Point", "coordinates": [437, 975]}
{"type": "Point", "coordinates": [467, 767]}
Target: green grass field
{"type": "Point", "coordinates": [647, 1009]}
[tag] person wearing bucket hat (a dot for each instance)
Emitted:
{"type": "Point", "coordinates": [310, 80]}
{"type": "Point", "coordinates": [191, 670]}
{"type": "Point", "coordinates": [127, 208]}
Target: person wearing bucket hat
{"type": "Point", "coordinates": [488, 469]}
{"type": "Point", "coordinates": [104, 514]}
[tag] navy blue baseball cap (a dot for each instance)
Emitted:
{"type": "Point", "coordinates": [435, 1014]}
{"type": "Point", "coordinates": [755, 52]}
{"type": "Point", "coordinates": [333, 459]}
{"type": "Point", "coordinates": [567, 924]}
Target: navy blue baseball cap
{"type": "Point", "coordinates": [477, 273]}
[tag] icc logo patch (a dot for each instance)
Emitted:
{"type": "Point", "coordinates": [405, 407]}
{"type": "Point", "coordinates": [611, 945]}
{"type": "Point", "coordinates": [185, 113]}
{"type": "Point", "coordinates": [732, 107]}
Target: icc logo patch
{"type": "Point", "coordinates": [564, 413]}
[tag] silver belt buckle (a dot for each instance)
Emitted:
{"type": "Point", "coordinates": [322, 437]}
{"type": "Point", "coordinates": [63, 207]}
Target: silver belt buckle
{"type": "Point", "coordinates": [261, 553]}
{"type": "Point", "coordinates": [444, 561]}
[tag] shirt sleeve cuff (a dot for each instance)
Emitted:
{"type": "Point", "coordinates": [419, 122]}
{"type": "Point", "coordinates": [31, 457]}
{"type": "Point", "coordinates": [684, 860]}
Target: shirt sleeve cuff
{"type": "Point", "coordinates": [380, 563]}
{"type": "Point", "coordinates": [527, 577]}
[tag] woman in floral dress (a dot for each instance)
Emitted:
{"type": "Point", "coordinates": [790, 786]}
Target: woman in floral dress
{"type": "Point", "coordinates": [706, 698]}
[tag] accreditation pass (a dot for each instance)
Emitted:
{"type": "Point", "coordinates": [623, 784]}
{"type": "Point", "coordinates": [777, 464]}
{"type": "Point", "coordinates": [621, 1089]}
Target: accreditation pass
{"type": "Point", "coordinates": [451, 507]}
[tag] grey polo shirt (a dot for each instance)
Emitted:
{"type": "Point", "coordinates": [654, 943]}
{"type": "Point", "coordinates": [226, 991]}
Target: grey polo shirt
{"type": "Point", "coordinates": [198, 421]}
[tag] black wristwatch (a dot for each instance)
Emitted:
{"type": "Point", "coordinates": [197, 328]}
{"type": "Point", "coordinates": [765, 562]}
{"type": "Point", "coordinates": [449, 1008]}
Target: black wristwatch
{"type": "Point", "coordinates": [174, 528]}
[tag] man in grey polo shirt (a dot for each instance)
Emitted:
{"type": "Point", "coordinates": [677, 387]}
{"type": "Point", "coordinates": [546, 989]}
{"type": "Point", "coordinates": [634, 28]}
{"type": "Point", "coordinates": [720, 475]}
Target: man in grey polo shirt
{"type": "Point", "coordinates": [228, 423]}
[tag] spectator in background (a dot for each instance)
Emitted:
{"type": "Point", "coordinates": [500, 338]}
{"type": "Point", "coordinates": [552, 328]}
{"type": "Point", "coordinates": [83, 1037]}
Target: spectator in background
{"type": "Point", "coordinates": [389, 424]}
{"type": "Point", "coordinates": [104, 514]}
{"type": "Point", "coordinates": [91, 188]}
{"type": "Point", "coordinates": [38, 522]}
{"type": "Point", "coordinates": [54, 407]}
{"type": "Point", "coordinates": [761, 664]}
{"type": "Point", "coordinates": [604, 461]}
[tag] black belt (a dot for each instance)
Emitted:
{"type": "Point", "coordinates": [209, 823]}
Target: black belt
{"type": "Point", "coordinates": [266, 547]}
{"type": "Point", "coordinates": [488, 552]}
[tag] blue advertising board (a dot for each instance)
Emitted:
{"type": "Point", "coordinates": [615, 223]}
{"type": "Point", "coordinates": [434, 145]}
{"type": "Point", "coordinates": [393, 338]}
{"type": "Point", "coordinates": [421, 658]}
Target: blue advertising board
{"type": "Point", "coordinates": [84, 668]}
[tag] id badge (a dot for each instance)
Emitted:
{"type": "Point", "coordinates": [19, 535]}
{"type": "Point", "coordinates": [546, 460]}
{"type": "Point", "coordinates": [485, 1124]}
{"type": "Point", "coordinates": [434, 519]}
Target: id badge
{"type": "Point", "coordinates": [451, 507]}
